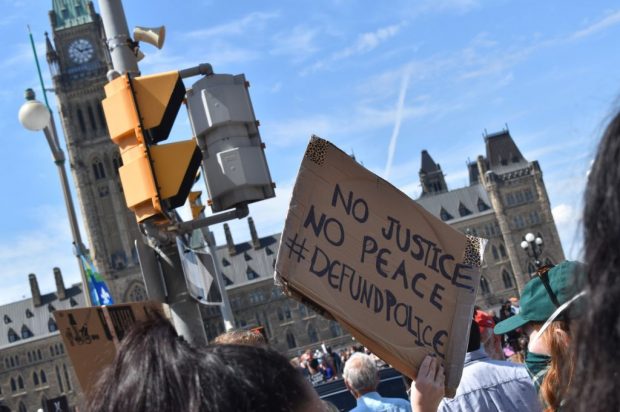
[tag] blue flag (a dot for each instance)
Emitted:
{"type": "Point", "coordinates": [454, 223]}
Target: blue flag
{"type": "Point", "coordinates": [99, 292]}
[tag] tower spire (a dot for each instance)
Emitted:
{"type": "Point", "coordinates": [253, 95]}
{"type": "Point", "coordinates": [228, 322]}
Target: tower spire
{"type": "Point", "coordinates": [431, 176]}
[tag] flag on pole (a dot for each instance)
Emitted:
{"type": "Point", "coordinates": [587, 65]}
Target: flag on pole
{"type": "Point", "coordinates": [99, 292]}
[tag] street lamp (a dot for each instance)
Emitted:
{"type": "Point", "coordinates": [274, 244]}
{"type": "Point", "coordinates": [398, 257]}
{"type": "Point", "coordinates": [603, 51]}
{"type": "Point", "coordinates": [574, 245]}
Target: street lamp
{"type": "Point", "coordinates": [35, 116]}
{"type": "Point", "coordinates": [533, 246]}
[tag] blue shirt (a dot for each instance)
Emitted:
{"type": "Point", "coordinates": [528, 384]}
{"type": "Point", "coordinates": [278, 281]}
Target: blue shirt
{"type": "Point", "coordinates": [492, 385]}
{"type": "Point", "coordinates": [373, 402]}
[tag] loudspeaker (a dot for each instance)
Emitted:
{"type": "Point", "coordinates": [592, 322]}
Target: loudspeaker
{"type": "Point", "coordinates": [150, 35]}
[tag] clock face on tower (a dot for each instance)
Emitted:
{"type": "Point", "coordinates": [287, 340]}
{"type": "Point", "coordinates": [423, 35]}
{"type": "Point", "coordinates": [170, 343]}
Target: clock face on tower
{"type": "Point", "coordinates": [81, 51]}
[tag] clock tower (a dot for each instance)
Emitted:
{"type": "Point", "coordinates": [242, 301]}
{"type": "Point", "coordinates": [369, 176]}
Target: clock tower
{"type": "Point", "coordinates": [79, 60]}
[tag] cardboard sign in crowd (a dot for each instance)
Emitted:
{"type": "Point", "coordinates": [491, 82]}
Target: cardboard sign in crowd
{"type": "Point", "coordinates": [357, 249]}
{"type": "Point", "coordinates": [92, 335]}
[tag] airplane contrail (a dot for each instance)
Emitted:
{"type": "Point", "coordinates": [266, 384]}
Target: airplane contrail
{"type": "Point", "coordinates": [399, 117]}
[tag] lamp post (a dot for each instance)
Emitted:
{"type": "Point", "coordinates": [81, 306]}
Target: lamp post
{"type": "Point", "coordinates": [533, 246]}
{"type": "Point", "coordinates": [36, 116]}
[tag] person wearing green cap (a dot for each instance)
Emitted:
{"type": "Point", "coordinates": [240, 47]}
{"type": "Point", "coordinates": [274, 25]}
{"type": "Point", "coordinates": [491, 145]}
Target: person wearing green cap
{"type": "Point", "coordinates": [550, 303]}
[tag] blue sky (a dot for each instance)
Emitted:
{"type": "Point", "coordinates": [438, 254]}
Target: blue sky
{"type": "Point", "coordinates": [382, 79]}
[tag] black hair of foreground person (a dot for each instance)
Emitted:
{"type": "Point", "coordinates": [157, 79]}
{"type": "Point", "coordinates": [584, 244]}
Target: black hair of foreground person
{"type": "Point", "coordinates": [155, 370]}
{"type": "Point", "coordinates": [595, 384]}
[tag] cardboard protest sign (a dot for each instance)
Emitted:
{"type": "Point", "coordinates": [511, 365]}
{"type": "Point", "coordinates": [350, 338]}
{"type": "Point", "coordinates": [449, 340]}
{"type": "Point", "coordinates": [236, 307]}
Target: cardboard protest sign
{"type": "Point", "coordinates": [360, 251]}
{"type": "Point", "coordinates": [91, 335]}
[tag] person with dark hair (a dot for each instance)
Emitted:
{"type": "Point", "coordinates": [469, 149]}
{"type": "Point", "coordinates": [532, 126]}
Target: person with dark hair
{"type": "Point", "coordinates": [550, 306]}
{"type": "Point", "coordinates": [155, 370]}
{"type": "Point", "coordinates": [491, 385]}
{"type": "Point", "coordinates": [595, 383]}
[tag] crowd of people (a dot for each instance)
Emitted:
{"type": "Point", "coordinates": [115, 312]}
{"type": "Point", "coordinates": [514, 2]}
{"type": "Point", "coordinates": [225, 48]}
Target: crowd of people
{"type": "Point", "coordinates": [559, 341]}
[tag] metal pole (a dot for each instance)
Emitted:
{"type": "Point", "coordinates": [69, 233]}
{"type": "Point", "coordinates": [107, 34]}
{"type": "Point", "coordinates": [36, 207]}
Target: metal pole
{"type": "Point", "coordinates": [225, 308]}
{"type": "Point", "coordinates": [59, 160]}
{"type": "Point", "coordinates": [185, 310]}
{"type": "Point", "coordinates": [117, 32]}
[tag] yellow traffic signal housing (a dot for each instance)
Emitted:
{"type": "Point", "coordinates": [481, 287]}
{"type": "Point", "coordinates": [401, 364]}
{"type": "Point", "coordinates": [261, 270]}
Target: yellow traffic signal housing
{"type": "Point", "coordinates": [195, 204]}
{"type": "Point", "coordinates": [140, 112]}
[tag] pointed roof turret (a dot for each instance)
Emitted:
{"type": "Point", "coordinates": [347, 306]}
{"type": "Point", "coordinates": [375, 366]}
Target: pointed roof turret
{"type": "Point", "coordinates": [431, 176]}
{"type": "Point", "coordinates": [428, 164]}
{"type": "Point", "coordinates": [50, 53]}
{"type": "Point", "coordinates": [502, 151]}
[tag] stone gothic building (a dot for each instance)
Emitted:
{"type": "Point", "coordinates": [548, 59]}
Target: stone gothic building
{"type": "Point", "coordinates": [78, 59]}
{"type": "Point", "coordinates": [505, 199]}
{"type": "Point", "coordinates": [34, 366]}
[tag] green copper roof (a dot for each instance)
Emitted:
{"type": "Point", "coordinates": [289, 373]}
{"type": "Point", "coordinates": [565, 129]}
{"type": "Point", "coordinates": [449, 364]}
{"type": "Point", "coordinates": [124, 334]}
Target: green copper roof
{"type": "Point", "coordinates": [70, 13]}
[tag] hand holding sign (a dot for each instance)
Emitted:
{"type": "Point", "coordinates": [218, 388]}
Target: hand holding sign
{"type": "Point", "coordinates": [363, 253]}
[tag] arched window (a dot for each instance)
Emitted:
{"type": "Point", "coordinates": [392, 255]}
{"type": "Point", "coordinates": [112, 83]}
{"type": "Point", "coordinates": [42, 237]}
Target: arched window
{"type": "Point", "coordinates": [62, 389]}
{"type": "Point", "coordinates": [20, 382]}
{"type": "Point", "coordinates": [98, 169]}
{"type": "Point", "coordinates": [39, 354]}
{"type": "Point", "coordinates": [312, 334]}
{"type": "Point", "coordinates": [303, 311]}
{"type": "Point", "coordinates": [531, 268]}
{"type": "Point", "coordinates": [35, 378]}
{"type": "Point", "coordinates": [136, 293]}
{"type": "Point", "coordinates": [81, 121]}
{"type": "Point", "coordinates": [43, 377]}
{"type": "Point", "coordinates": [495, 254]}
{"type": "Point", "coordinates": [26, 333]}
{"type": "Point", "coordinates": [64, 368]}
{"type": "Point", "coordinates": [51, 351]}
{"type": "Point", "coordinates": [22, 407]}
{"type": "Point", "coordinates": [91, 117]}
{"type": "Point", "coordinates": [507, 278]}
{"type": "Point", "coordinates": [12, 362]}
{"type": "Point", "coordinates": [484, 286]}
{"type": "Point", "coordinates": [280, 314]}
{"type": "Point", "coordinates": [51, 325]}
{"type": "Point", "coordinates": [7, 320]}
{"type": "Point", "coordinates": [335, 329]}
{"type": "Point", "coordinates": [29, 357]}
{"type": "Point", "coordinates": [290, 340]}
{"type": "Point", "coordinates": [13, 385]}
{"type": "Point", "coordinates": [287, 311]}
{"type": "Point", "coordinates": [502, 250]}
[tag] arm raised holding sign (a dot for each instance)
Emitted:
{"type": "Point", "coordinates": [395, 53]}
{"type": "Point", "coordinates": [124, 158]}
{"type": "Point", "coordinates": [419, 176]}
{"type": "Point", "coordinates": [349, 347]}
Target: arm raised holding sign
{"type": "Point", "coordinates": [428, 388]}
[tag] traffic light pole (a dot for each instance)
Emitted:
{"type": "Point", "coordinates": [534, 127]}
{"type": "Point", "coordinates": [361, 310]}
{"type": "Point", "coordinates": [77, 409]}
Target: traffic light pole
{"type": "Point", "coordinates": [168, 283]}
{"type": "Point", "coordinates": [118, 39]}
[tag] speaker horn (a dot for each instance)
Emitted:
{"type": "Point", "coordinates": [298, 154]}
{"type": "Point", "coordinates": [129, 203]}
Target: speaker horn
{"type": "Point", "coordinates": [150, 35]}
{"type": "Point", "coordinates": [139, 55]}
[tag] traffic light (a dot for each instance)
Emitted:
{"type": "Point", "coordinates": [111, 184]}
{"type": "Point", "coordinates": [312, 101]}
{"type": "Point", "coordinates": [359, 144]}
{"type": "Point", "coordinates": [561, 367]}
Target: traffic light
{"type": "Point", "coordinates": [195, 203]}
{"type": "Point", "coordinates": [223, 121]}
{"type": "Point", "coordinates": [140, 112]}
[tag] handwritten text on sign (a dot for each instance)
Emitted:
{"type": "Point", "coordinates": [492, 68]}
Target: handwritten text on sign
{"type": "Point", "coordinates": [393, 246]}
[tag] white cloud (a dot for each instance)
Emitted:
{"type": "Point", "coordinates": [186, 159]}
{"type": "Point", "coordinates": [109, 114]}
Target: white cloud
{"type": "Point", "coordinates": [369, 41]}
{"type": "Point", "coordinates": [608, 21]}
{"type": "Point", "coordinates": [365, 43]}
{"type": "Point", "coordinates": [563, 214]}
{"type": "Point", "coordinates": [299, 43]}
{"type": "Point", "coordinates": [38, 251]}
{"type": "Point", "coordinates": [236, 27]}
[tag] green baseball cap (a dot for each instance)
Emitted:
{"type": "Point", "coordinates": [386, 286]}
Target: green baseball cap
{"type": "Point", "coordinates": [537, 303]}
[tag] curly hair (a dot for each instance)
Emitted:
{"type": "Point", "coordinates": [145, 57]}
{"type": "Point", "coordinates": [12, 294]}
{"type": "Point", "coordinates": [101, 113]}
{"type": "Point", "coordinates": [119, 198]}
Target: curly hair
{"type": "Point", "coordinates": [597, 362]}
